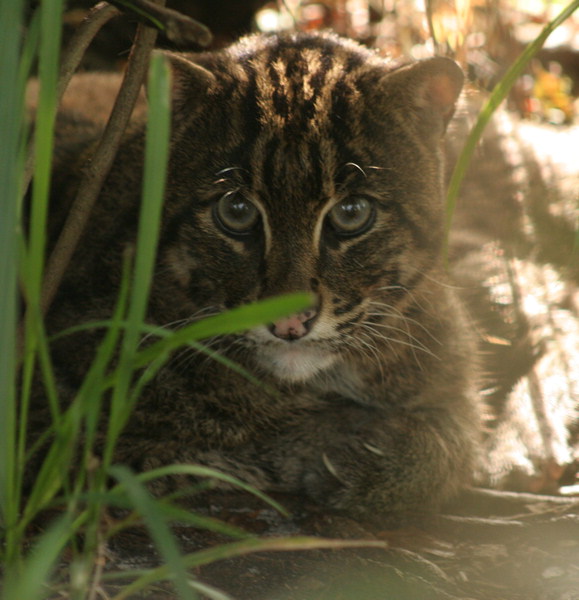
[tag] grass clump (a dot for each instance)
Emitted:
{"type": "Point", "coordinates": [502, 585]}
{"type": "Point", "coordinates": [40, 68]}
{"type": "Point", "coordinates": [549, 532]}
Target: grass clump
{"type": "Point", "coordinates": [80, 496]}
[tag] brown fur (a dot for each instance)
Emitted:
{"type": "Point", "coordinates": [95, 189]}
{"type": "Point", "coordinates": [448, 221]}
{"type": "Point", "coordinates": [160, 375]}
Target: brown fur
{"type": "Point", "coordinates": [375, 407]}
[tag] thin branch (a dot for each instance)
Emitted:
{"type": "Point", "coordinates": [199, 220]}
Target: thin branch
{"type": "Point", "coordinates": [98, 569]}
{"type": "Point", "coordinates": [430, 21]}
{"type": "Point", "coordinates": [98, 168]}
{"type": "Point", "coordinates": [289, 11]}
{"type": "Point", "coordinates": [180, 29]}
{"type": "Point", "coordinates": [98, 15]}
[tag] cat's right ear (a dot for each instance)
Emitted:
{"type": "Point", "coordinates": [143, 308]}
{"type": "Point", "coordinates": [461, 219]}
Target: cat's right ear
{"type": "Point", "coordinates": [190, 81]}
{"type": "Point", "coordinates": [427, 89]}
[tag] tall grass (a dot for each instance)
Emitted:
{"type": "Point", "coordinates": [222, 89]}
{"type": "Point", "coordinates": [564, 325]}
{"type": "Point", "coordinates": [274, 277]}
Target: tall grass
{"type": "Point", "coordinates": [80, 500]}
{"type": "Point", "coordinates": [497, 95]}
{"type": "Point", "coordinates": [11, 118]}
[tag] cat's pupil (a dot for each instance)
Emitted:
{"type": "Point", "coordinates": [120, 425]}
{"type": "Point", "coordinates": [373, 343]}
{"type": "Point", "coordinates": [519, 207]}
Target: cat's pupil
{"type": "Point", "coordinates": [235, 214]}
{"type": "Point", "coordinates": [352, 216]}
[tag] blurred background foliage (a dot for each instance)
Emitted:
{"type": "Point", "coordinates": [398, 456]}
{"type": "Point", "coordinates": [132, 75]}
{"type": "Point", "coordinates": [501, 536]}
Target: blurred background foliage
{"type": "Point", "coordinates": [485, 36]}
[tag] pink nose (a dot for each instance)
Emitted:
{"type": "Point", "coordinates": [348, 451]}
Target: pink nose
{"type": "Point", "coordinates": [295, 326]}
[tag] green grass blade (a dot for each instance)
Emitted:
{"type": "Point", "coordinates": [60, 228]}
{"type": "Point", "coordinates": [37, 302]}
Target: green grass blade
{"type": "Point", "coordinates": [146, 16]}
{"type": "Point", "coordinates": [210, 592]}
{"type": "Point", "coordinates": [89, 397]}
{"type": "Point", "coordinates": [160, 532]}
{"type": "Point", "coordinates": [28, 54]}
{"type": "Point", "coordinates": [48, 376]}
{"type": "Point", "coordinates": [49, 51]}
{"type": "Point", "coordinates": [31, 584]}
{"type": "Point", "coordinates": [233, 321]}
{"type": "Point", "coordinates": [216, 356]}
{"type": "Point", "coordinates": [32, 269]}
{"type": "Point", "coordinates": [233, 366]}
{"type": "Point", "coordinates": [157, 364]}
{"type": "Point", "coordinates": [156, 355]}
{"type": "Point", "coordinates": [55, 464]}
{"type": "Point", "coordinates": [91, 391]}
{"type": "Point", "coordinates": [82, 415]}
{"type": "Point", "coordinates": [67, 426]}
{"type": "Point", "coordinates": [234, 549]}
{"type": "Point", "coordinates": [172, 513]}
{"type": "Point", "coordinates": [161, 352]}
{"type": "Point", "coordinates": [11, 165]}
{"type": "Point", "coordinates": [156, 154]}
{"type": "Point", "coordinates": [498, 94]}
{"type": "Point", "coordinates": [175, 514]}
{"type": "Point", "coordinates": [55, 467]}
{"type": "Point", "coordinates": [205, 472]}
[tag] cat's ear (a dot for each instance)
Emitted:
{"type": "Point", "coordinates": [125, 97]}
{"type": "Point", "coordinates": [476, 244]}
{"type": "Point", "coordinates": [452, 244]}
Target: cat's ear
{"type": "Point", "coordinates": [189, 81]}
{"type": "Point", "coordinates": [429, 88]}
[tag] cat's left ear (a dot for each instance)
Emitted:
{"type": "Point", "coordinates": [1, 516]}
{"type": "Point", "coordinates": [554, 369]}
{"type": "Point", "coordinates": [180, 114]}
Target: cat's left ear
{"type": "Point", "coordinates": [190, 82]}
{"type": "Point", "coordinates": [429, 88]}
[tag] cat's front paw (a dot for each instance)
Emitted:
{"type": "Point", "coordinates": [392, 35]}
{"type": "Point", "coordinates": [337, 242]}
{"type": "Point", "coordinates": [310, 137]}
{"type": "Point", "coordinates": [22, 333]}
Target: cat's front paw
{"type": "Point", "coordinates": [324, 481]}
{"type": "Point", "coordinates": [353, 478]}
{"type": "Point", "coordinates": [377, 472]}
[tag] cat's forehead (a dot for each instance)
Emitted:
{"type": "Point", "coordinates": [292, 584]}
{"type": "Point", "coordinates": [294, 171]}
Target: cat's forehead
{"type": "Point", "coordinates": [297, 81]}
{"type": "Point", "coordinates": [296, 48]}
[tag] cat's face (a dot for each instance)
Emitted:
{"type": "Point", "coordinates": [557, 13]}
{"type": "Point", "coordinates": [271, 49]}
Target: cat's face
{"type": "Point", "coordinates": [306, 165]}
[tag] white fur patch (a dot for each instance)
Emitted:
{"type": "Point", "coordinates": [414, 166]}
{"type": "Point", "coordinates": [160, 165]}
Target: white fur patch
{"type": "Point", "coordinates": [294, 362]}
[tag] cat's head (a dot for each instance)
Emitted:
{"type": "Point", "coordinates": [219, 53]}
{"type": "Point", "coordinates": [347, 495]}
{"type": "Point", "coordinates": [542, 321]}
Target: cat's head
{"type": "Point", "coordinates": [306, 163]}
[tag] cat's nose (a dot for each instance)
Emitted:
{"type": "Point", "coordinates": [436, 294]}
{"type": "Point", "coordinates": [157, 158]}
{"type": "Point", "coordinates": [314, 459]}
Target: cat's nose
{"type": "Point", "coordinates": [295, 326]}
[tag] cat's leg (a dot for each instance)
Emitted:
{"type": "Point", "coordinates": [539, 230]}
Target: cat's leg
{"type": "Point", "coordinates": [364, 460]}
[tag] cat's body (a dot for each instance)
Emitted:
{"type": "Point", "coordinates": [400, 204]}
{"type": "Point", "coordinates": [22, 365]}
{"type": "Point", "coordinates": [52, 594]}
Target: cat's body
{"type": "Point", "coordinates": [300, 163]}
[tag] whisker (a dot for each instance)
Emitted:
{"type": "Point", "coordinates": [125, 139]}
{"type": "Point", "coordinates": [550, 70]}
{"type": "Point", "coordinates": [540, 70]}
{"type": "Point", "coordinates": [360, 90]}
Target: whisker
{"type": "Point", "coordinates": [395, 313]}
{"type": "Point", "coordinates": [406, 322]}
{"type": "Point", "coordinates": [417, 345]}
{"type": "Point", "coordinates": [365, 344]}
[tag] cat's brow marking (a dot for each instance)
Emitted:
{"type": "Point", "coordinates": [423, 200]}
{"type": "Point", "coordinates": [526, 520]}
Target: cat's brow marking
{"type": "Point", "coordinates": [331, 203]}
{"type": "Point", "coordinates": [266, 224]}
{"type": "Point", "coordinates": [317, 237]}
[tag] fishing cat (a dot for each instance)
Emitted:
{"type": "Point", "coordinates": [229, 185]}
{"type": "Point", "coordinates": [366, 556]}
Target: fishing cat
{"type": "Point", "coordinates": [299, 162]}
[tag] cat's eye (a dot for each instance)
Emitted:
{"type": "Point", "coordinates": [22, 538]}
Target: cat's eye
{"type": "Point", "coordinates": [236, 214]}
{"type": "Point", "coordinates": [352, 216]}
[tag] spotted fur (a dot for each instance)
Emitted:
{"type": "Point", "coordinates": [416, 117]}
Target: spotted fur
{"type": "Point", "coordinates": [298, 163]}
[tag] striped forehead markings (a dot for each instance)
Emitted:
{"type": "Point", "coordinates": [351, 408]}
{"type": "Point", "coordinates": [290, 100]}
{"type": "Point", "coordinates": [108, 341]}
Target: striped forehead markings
{"type": "Point", "coordinates": [298, 81]}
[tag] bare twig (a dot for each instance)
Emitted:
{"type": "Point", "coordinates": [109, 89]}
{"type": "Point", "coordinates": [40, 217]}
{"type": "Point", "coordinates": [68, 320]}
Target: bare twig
{"type": "Point", "coordinates": [289, 11]}
{"type": "Point", "coordinates": [482, 502]}
{"type": "Point", "coordinates": [431, 29]}
{"type": "Point", "coordinates": [99, 566]}
{"type": "Point", "coordinates": [180, 29]}
{"type": "Point", "coordinates": [98, 167]}
{"type": "Point", "coordinates": [98, 15]}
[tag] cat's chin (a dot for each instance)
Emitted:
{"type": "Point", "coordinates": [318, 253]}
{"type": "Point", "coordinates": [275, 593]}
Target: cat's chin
{"type": "Point", "coordinates": [294, 363]}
